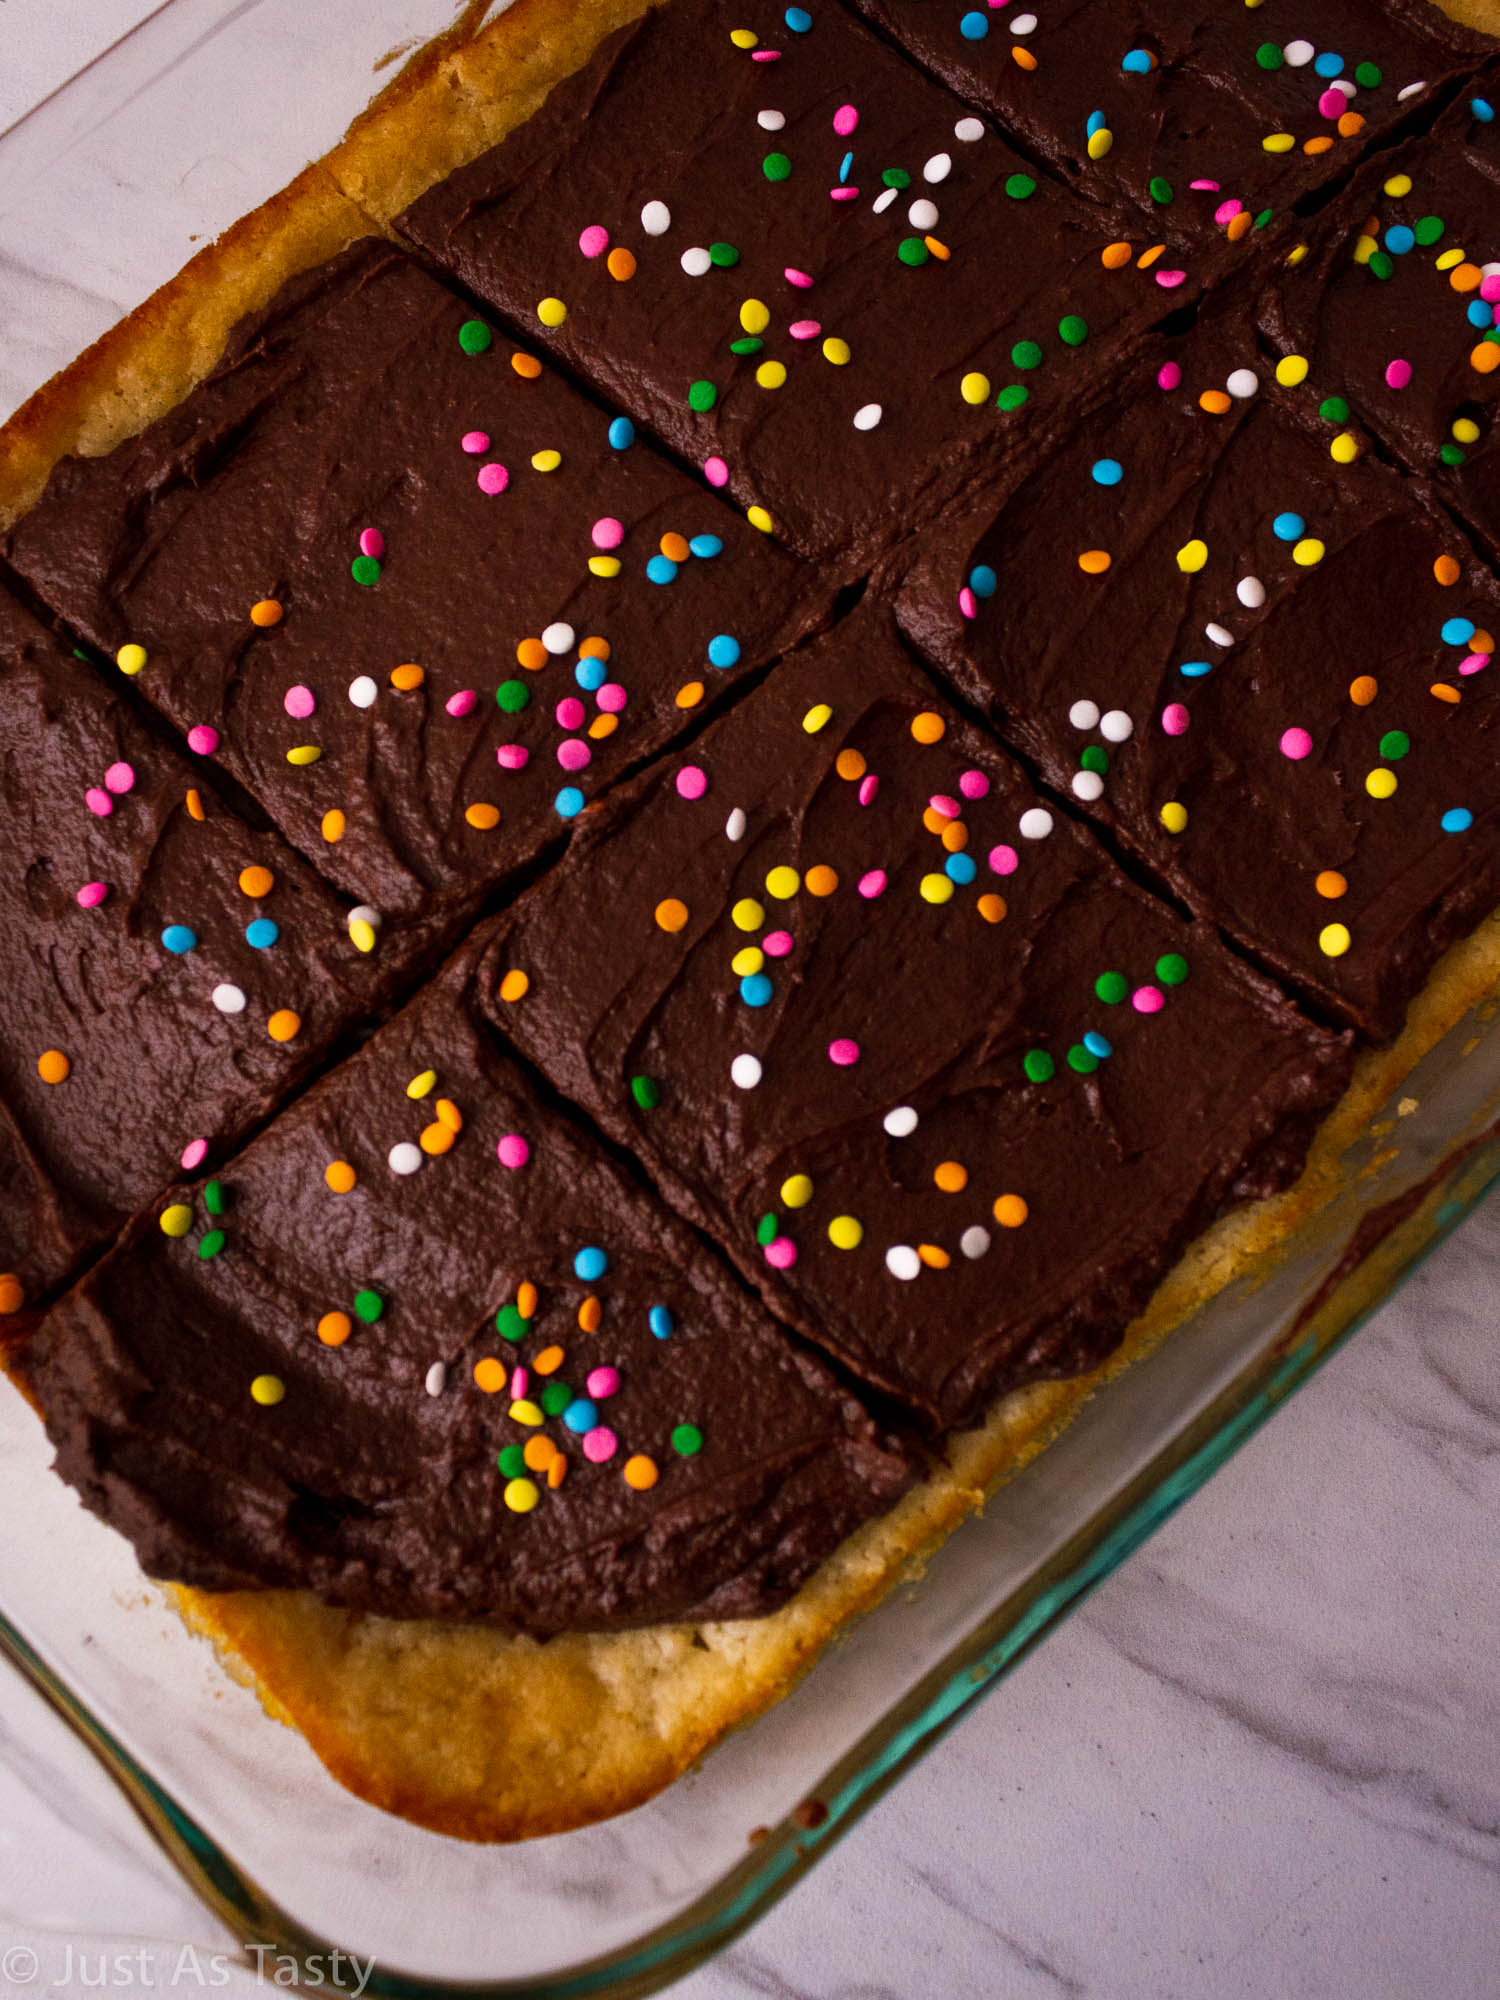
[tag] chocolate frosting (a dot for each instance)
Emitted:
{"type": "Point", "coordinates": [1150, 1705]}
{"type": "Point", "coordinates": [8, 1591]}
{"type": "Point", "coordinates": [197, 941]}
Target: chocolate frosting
{"type": "Point", "coordinates": [380, 1484]}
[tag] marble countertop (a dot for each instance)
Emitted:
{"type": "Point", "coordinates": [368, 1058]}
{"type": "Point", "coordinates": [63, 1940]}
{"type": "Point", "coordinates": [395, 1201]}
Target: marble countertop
{"type": "Point", "coordinates": [1262, 1760]}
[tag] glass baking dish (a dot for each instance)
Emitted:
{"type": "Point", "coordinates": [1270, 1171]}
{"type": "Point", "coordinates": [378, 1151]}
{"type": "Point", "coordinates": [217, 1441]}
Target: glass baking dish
{"type": "Point", "coordinates": [105, 190]}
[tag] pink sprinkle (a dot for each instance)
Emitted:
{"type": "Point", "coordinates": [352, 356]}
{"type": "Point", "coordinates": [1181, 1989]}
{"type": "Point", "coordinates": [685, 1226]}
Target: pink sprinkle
{"type": "Point", "coordinates": [1148, 1000]}
{"type": "Point", "coordinates": [574, 754]}
{"type": "Point", "coordinates": [967, 604]}
{"type": "Point", "coordinates": [1474, 664]}
{"type": "Point", "coordinates": [493, 478]}
{"type": "Point", "coordinates": [941, 803]}
{"type": "Point", "coordinates": [1333, 104]}
{"type": "Point", "coordinates": [798, 278]}
{"type": "Point", "coordinates": [1175, 719]}
{"type": "Point", "coordinates": [1168, 376]}
{"type": "Point", "coordinates": [1296, 744]}
{"type": "Point", "coordinates": [869, 785]}
{"type": "Point", "coordinates": [805, 329]}
{"type": "Point", "coordinates": [570, 713]}
{"type": "Point", "coordinates": [203, 738]}
{"type": "Point", "coordinates": [845, 119]}
{"type": "Point", "coordinates": [92, 894]}
{"type": "Point", "coordinates": [612, 698]}
{"type": "Point", "coordinates": [119, 778]}
{"type": "Point", "coordinates": [299, 701]}
{"type": "Point", "coordinates": [777, 944]}
{"type": "Point", "coordinates": [607, 532]}
{"type": "Point", "coordinates": [1205, 187]}
{"type": "Point", "coordinates": [692, 782]}
{"type": "Point", "coordinates": [844, 193]}
{"type": "Point", "coordinates": [513, 1150]}
{"type": "Point", "coordinates": [1227, 210]}
{"type": "Point", "coordinates": [1169, 281]}
{"type": "Point", "coordinates": [602, 1382]}
{"type": "Point", "coordinates": [371, 543]}
{"type": "Point", "coordinates": [520, 1382]}
{"type": "Point", "coordinates": [843, 1052]}
{"type": "Point", "coordinates": [716, 472]}
{"type": "Point", "coordinates": [1004, 860]}
{"type": "Point", "coordinates": [461, 703]}
{"type": "Point", "coordinates": [765, 55]}
{"type": "Point", "coordinates": [974, 785]}
{"type": "Point", "coordinates": [781, 1253]}
{"type": "Point", "coordinates": [872, 884]}
{"type": "Point", "coordinates": [595, 240]}
{"type": "Point", "coordinates": [194, 1153]}
{"type": "Point", "coordinates": [475, 442]}
{"type": "Point", "coordinates": [513, 756]}
{"type": "Point", "coordinates": [1397, 374]}
{"type": "Point", "coordinates": [599, 1444]}
{"type": "Point", "coordinates": [99, 801]}
{"type": "Point", "coordinates": [1489, 288]}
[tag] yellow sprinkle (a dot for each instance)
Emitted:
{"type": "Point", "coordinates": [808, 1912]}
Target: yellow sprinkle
{"type": "Point", "coordinates": [1192, 556]}
{"type": "Point", "coordinates": [1297, 255]}
{"type": "Point", "coordinates": [743, 38]}
{"type": "Point", "coordinates": [1448, 259]}
{"type": "Point", "coordinates": [521, 1495]}
{"type": "Point", "coordinates": [846, 1232]}
{"type": "Point", "coordinates": [304, 753]}
{"type": "Point", "coordinates": [1278, 142]}
{"type": "Point", "coordinates": [771, 374]}
{"type": "Point", "coordinates": [362, 933]}
{"type": "Point", "coordinates": [747, 961]}
{"type": "Point", "coordinates": [525, 1412]}
{"type": "Point", "coordinates": [1291, 370]}
{"type": "Point", "coordinates": [837, 351]}
{"type": "Point", "coordinates": [975, 388]}
{"type": "Point", "coordinates": [1174, 816]}
{"type": "Point", "coordinates": [1381, 783]}
{"type": "Point", "coordinates": [936, 888]}
{"type": "Point", "coordinates": [1308, 552]}
{"type": "Point", "coordinates": [783, 883]}
{"type": "Point", "coordinates": [1344, 449]}
{"type": "Point", "coordinates": [797, 1191]}
{"type": "Point", "coordinates": [1334, 940]}
{"type": "Point", "coordinates": [747, 914]}
{"type": "Point", "coordinates": [515, 985]}
{"type": "Point", "coordinates": [759, 518]}
{"type": "Point", "coordinates": [176, 1220]}
{"type": "Point", "coordinates": [605, 566]}
{"type": "Point", "coordinates": [268, 1390]}
{"type": "Point", "coordinates": [754, 316]}
{"type": "Point", "coordinates": [1100, 142]}
{"type": "Point", "coordinates": [422, 1083]}
{"type": "Point", "coordinates": [545, 461]}
{"type": "Point", "coordinates": [130, 658]}
{"type": "Point", "coordinates": [815, 718]}
{"type": "Point", "coordinates": [552, 312]}
{"type": "Point", "coordinates": [1466, 430]}
{"type": "Point", "coordinates": [1398, 185]}
{"type": "Point", "coordinates": [1364, 248]}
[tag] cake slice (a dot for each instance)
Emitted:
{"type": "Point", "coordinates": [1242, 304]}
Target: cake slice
{"type": "Point", "coordinates": [1256, 654]}
{"type": "Point", "coordinates": [896, 1030]}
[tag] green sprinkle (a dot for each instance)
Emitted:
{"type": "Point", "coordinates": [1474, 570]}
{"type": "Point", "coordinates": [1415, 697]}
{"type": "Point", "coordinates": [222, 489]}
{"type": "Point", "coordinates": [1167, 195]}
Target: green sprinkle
{"type": "Point", "coordinates": [365, 569]}
{"type": "Point", "coordinates": [369, 1306]}
{"type": "Point", "coordinates": [1026, 354]}
{"type": "Point", "coordinates": [1269, 56]}
{"type": "Point", "coordinates": [513, 696]}
{"type": "Point", "coordinates": [1264, 217]}
{"type": "Point", "coordinates": [749, 345]}
{"type": "Point", "coordinates": [1073, 330]}
{"type": "Point", "coordinates": [1172, 968]}
{"type": "Point", "coordinates": [1161, 190]}
{"type": "Point", "coordinates": [702, 396]}
{"type": "Point", "coordinates": [1334, 410]}
{"type": "Point", "coordinates": [646, 1091]}
{"type": "Point", "coordinates": [775, 167]}
{"type": "Point", "coordinates": [724, 255]}
{"type": "Point", "coordinates": [1020, 187]}
{"type": "Point", "coordinates": [213, 1197]}
{"type": "Point", "coordinates": [912, 250]}
{"type": "Point", "coordinates": [1429, 230]}
{"type": "Point", "coordinates": [1394, 744]}
{"type": "Point", "coordinates": [1012, 396]}
{"type": "Point", "coordinates": [1368, 76]}
{"type": "Point", "coordinates": [211, 1244]}
{"type": "Point", "coordinates": [474, 336]}
{"type": "Point", "coordinates": [1082, 1060]}
{"type": "Point", "coordinates": [510, 1323]}
{"type": "Point", "coordinates": [1039, 1066]}
{"type": "Point", "coordinates": [1111, 988]}
{"type": "Point", "coordinates": [765, 1229]}
{"type": "Point", "coordinates": [512, 1461]}
{"type": "Point", "coordinates": [1382, 264]}
{"type": "Point", "coordinates": [555, 1398]}
{"type": "Point", "coordinates": [1453, 454]}
{"type": "Point", "coordinates": [896, 177]}
{"type": "Point", "coordinates": [687, 1440]}
{"type": "Point", "coordinates": [1095, 758]}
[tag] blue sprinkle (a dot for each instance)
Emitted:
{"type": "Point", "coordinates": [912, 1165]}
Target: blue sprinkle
{"type": "Point", "coordinates": [960, 868]}
{"type": "Point", "coordinates": [622, 434]}
{"type": "Point", "coordinates": [1097, 1045]}
{"type": "Point", "coordinates": [590, 675]}
{"type": "Point", "coordinates": [1482, 109]}
{"type": "Point", "coordinates": [661, 569]}
{"type": "Point", "coordinates": [590, 1264]}
{"type": "Point", "coordinates": [1458, 631]}
{"type": "Point", "coordinates": [1399, 239]}
{"type": "Point", "coordinates": [1137, 63]}
{"type": "Point", "coordinates": [1108, 471]}
{"type": "Point", "coordinates": [973, 27]}
{"type": "Point", "coordinates": [1095, 123]}
{"type": "Point", "coordinates": [1329, 65]}
{"type": "Point", "coordinates": [1480, 314]}
{"type": "Point", "coordinates": [581, 1415]}
{"type": "Point", "coordinates": [846, 167]}
{"type": "Point", "coordinates": [756, 990]}
{"type": "Point", "coordinates": [983, 580]}
{"type": "Point", "coordinates": [1288, 527]}
{"type": "Point", "coordinates": [1457, 819]}
{"type": "Point", "coordinates": [261, 933]}
{"type": "Point", "coordinates": [798, 20]}
{"type": "Point", "coordinates": [569, 802]}
{"type": "Point", "coordinates": [1194, 670]}
{"type": "Point", "coordinates": [178, 938]}
{"type": "Point", "coordinates": [704, 546]}
{"type": "Point", "coordinates": [723, 651]}
{"type": "Point", "coordinates": [660, 1321]}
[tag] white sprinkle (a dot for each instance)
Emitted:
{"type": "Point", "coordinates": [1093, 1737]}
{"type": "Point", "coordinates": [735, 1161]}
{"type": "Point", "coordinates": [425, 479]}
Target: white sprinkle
{"type": "Point", "coordinates": [923, 214]}
{"type": "Point", "coordinates": [1342, 83]}
{"type": "Point", "coordinates": [696, 261]}
{"type": "Point", "coordinates": [404, 1158]}
{"type": "Point", "coordinates": [1088, 786]}
{"type": "Point", "coordinates": [656, 218]}
{"type": "Point", "coordinates": [744, 1072]}
{"type": "Point", "coordinates": [974, 1242]}
{"type": "Point", "coordinates": [903, 1262]}
{"type": "Point", "coordinates": [1242, 383]}
{"type": "Point", "coordinates": [1489, 270]}
{"type": "Point", "coordinates": [968, 130]}
{"type": "Point", "coordinates": [1220, 634]}
{"type": "Point", "coordinates": [366, 913]}
{"type": "Point", "coordinates": [1084, 714]}
{"type": "Point", "coordinates": [1299, 52]}
{"type": "Point", "coordinates": [770, 121]}
{"type": "Point", "coordinates": [230, 999]}
{"type": "Point", "coordinates": [938, 168]}
{"type": "Point", "coordinates": [1251, 592]}
{"type": "Point", "coordinates": [559, 637]}
{"type": "Point", "coordinates": [437, 1378]}
{"type": "Point", "coordinates": [1410, 91]}
{"type": "Point", "coordinates": [734, 826]}
{"type": "Point", "coordinates": [867, 416]}
{"type": "Point", "coordinates": [883, 201]}
{"type": "Point", "coordinates": [362, 691]}
{"type": "Point", "coordinates": [1115, 726]}
{"type": "Point", "coordinates": [1036, 823]}
{"type": "Point", "coordinates": [901, 1122]}
{"type": "Point", "coordinates": [1023, 24]}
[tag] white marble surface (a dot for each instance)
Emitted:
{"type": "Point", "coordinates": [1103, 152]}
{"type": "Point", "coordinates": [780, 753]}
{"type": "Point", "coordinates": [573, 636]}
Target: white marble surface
{"type": "Point", "coordinates": [1263, 1760]}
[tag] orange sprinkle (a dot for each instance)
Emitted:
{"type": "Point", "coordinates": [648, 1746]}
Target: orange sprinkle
{"type": "Point", "coordinates": [549, 1361]}
{"type": "Point", "coordinates": [590, 1313]}
{"type": "Point", "coordinates": [284, 1025]}
{"type": "Point", "coordinates": [1010, 1210]}
{"type": "Point", "coordinates": [482, 815]}
{"type": "Point", "coordinates": [820, 879]}
{"type": "Point", "coordinates": [641, 1472]}
{"type": "Point", "coordinates": [933, 1257]}
{"type": "Point", "coordinates": [340, 1176]}
{"type": "Point", "coordinates": [52, 1066]}
{"type": "Point", "coordinates": [256, 881]}
{"type": "Point", "coordinates": [267, 612]}
{"type": "Point", "coordinates": [1094, 562]}
{"type": "Point", "coordinates": [407, 676]}
{"type": "Point", "coordinates": [1239, 225]}
{"type": "Point", "coordinates": [992, 908]}
{"type": "Point", "coordinates": [557, 1471]}
{"type": "Point", "coordinates": [490, 1375]}
{"type": "Point", "coordinates": [12, 1298]}
{"type": "Point", "coordinates": [603, 725]}
{"type": "Point", "coordinates": [928, 727]}
{"type": "Point", "coordinates": [526, 365]}
{"type": "Point", "coordinates": [1114, 256]}
{"type": "Point", "coordinates": [951, 1177]}
{"type": "Point", "coordinates": [436, 1138]}
{"type": "Point", "coordinates": [538, 1452]}
{"type": "Point", "coordinates": [1445, 693]}
{"type": "Point", "coordinates": [938, 250]}
{"type": "Point", "coordinates": [1351, 125]}
{"type": "Point", "coordinates": [1447, 569]}
{"type": "Point", "coordinates": [1482, 642]}
{"type": "Point", "coordinates": [1331, 884]}
{"type": "Point", "coordinates": [594, 649]}
{"type": "Point", "coordinates": [620, 264]}
{"type": "Point", "coordinates": [515, 985]}
{"type": "Point", "coordinates": [1148, 257]}
{"type": "Point", "coordinates": [933, 820]}
{"type": "Point", "coordinates": [1322, 144]}
{"type": "Point", "coordinates": [1465, 277]}
{"type": "Point", "coordinates": [850, 764]}
{"type": "Point", "coordinates": [532, 655]}
{"type": "Point", "coordinates": [526, 1300]}
{"type": "Point", "coordinates": [671, 914]}
{"type": "Point", "coordinates": [690, 695]}
{"type": "Point", "coordinates": [195, 803]}
{"type": "Point", "coordinates": [333, 824]}
{"type": "Point", "coordinates": [675, 548]}
{"type": "Point", "coordinates": [335, 1328]}
{"type": "Point", "coordinates": [448, 1113]}
{"type": "Point", "coordinates": [955, 836]}
{"type": "Point", "coordinates": [1022, 57]}
{"type": "Point", "coordinates": [1215, 401]}
{"type": "Point", "coordinates": [1363, 690]}
{"type": "Point", "coordinates": [1485, 358]}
